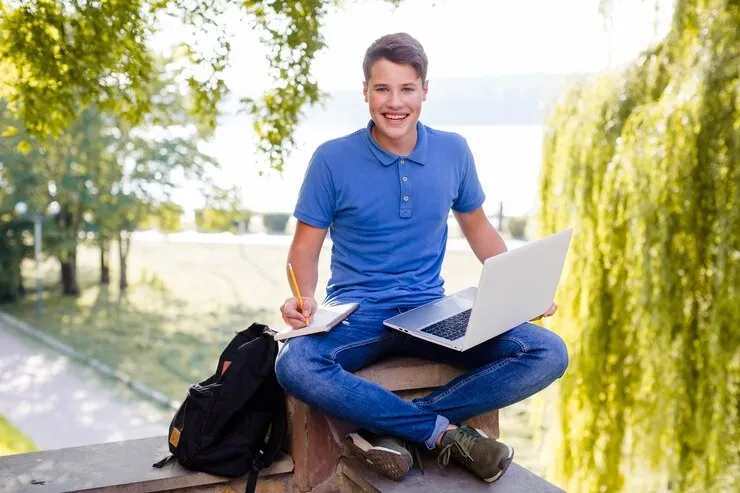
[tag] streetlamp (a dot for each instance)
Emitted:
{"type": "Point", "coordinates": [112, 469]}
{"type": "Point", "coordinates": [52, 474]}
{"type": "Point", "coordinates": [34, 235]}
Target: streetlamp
{"type": "Point", "coordinates": [21, 208]}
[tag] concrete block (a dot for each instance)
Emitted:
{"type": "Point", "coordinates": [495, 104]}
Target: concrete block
{"type": "Point", "coordinates": [315, 444]}
{"type": "Point", "coordinates": [119, 466]}
{"type": "Point", "coordinates": [409, 373]}
{"type": "Point", "coordinates": [455, 478]}
{"type": "Point", "coordinates": [317, 441]}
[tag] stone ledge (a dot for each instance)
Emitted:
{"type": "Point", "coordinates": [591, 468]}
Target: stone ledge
{"type": "Point", "coordinates": [118, 466]}
{"type": "Point", "coordinates": [516, 480]}
{"type": "Point", "coordinates": [408, 373]}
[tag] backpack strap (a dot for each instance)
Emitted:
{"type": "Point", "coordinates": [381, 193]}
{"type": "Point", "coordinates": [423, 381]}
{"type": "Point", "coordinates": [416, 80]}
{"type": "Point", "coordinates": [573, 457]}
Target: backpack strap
{"type": "Point", "coordinates": [274, 445]}
{"type": "Point", "coordinates": [163, 462]}
{"type": "Point", "coordinates": [252, 481]}
{"type": "Point", "coordinates": [278, 429]}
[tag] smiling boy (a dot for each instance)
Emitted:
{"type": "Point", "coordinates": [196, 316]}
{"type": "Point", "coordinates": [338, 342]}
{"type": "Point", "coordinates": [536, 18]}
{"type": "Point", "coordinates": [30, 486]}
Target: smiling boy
{"type": "Point", "coordinates": [385, 193]}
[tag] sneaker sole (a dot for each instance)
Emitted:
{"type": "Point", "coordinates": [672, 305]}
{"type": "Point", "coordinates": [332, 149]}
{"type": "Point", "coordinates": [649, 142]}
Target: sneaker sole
{"type": "Point", "coordinates": [385, 461]}
{"type": "Point", "coordinates": [504, 465]}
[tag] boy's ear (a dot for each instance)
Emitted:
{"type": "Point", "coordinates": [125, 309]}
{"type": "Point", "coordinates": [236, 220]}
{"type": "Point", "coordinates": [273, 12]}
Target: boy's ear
{"type": "Point", "coordinates": [364, 90]}
{"type": "Point", "coordinates": [425, 90]}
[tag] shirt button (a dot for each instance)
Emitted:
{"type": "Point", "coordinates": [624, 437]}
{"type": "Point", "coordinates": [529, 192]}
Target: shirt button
{"type": "Point", "coordinates": [405, 178]}
{"type": "Point", "coordinates": [402, 161]}
{"type": "Point", "coordinates": [405, 198]}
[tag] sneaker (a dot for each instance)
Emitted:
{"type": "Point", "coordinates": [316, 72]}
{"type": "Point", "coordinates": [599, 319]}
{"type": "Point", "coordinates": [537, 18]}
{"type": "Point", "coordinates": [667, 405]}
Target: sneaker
{"type": "Point", "coordinates": [388, 456]}
{"type": "Point", "coordinates": [471, 448]}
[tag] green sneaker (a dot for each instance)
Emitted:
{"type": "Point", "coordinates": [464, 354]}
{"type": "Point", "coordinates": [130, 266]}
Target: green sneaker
{"type": "Point", "coordinates": [387, 456]}
{"type": "Point", "coordinates": [471, 448]}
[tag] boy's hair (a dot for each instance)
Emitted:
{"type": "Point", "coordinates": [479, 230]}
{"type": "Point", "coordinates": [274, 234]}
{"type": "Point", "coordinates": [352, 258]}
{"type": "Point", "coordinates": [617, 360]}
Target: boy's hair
{"type": "Point", "coordinates": [397, 48]}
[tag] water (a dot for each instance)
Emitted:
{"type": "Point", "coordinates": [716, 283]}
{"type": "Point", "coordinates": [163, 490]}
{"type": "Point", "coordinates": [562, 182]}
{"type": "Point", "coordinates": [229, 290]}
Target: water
{"type": "Point", "coordinates": [507, 157]}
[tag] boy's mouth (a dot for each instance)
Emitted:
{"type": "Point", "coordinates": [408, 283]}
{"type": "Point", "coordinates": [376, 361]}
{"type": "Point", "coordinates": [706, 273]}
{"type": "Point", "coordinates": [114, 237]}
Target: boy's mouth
{"type": "Point", "coordinates": [395, 117]}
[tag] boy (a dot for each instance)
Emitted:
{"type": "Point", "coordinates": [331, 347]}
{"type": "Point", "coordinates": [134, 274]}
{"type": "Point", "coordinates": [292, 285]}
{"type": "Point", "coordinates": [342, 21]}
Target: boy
{"type": "Point", "coordinates": [385, 193]}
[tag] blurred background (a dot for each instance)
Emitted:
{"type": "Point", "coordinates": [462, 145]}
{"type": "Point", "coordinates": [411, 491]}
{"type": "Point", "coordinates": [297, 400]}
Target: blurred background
{"type": "Point", "coordinates": [151, 154]}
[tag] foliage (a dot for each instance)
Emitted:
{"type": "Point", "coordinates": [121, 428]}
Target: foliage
{"type": "Point", "coordinates": [646, 164]}
{"type": "Point", "coordinates": [13, 441]}
{"type": "Point", "coordinates": [63, 54]}
{"type": "Point", "coordinates": [105, 176]}
{"type": "Point", "coordinates": [517, 227]}
{"type": "Point", "coordinates": [13, 249]}
{"type": "Point", "coordinates": [57, 56]}
{"type": "Point", "coordinates": [216, 220]}
{"type": "Point", "coordinates": [275, 222]}
{"type": "Point", "coordinates": [166, 217]}
{"type": "Point", "coordinates": [292, 35]}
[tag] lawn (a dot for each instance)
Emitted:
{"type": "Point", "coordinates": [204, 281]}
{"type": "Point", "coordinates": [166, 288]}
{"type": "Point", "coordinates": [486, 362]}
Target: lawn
{"type": "Point", "coordinates": [184, 303]}
{"type": "Point", "coordinates": [13, 441]}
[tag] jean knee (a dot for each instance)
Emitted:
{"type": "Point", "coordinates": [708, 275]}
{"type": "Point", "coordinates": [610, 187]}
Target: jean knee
{"type": "Point", "coordinates": [290, 366]}
{"type": "Point", "coordinates": [556, 354]}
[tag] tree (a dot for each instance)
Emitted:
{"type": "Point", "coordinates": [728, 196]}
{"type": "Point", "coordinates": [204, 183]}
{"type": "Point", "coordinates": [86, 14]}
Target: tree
{"type": "Point", "coordinates": [167, 217]}
{"type": "Point", "coordinates": [12, 251]}
{"type": "Point", "coordinates": [59, 55]}
{"type": "Point", "coordinates": [18, 183]}
{"type": "Point", "coordinates": [91, 167]}
{"type": "Point", "coordinates": [646, 164]}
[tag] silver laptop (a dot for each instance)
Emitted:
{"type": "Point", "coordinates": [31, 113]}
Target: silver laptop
{"type": "Point", "coordinates": [514, 287]}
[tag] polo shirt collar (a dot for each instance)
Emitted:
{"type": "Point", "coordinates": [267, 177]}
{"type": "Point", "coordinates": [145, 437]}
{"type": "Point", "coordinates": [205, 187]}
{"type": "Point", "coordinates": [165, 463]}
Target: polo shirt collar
{"type": "Point", "coordinates": [418, 155]}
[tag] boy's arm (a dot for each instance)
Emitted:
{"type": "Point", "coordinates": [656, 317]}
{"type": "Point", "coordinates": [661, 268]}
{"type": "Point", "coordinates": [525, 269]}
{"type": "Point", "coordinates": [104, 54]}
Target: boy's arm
{"type": "Point", "coordinates": [485, 240]}
{"type": "Point", "coordinates": [480, 233]}
{"type": "Point", "coordinates": [304, 256]}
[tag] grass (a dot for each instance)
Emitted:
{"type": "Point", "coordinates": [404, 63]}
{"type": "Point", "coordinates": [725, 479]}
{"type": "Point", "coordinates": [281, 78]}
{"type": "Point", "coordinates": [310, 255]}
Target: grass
{"type": "Point", "coordinates": [13, 441]}
{"type": "Point", "coordinates": [169, 329]}
{"type": "Point", "coordinates": [184, 304]}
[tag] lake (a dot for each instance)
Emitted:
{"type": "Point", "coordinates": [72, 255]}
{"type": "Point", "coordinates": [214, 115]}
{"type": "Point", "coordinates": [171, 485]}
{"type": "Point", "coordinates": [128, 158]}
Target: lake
{"type": "Point", "coordinates": [508, 159]}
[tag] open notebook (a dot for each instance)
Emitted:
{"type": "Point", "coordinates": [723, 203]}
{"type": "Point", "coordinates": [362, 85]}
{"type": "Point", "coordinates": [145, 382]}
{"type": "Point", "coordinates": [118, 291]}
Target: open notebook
{"type": "Point", "coordinates": [325, 319]}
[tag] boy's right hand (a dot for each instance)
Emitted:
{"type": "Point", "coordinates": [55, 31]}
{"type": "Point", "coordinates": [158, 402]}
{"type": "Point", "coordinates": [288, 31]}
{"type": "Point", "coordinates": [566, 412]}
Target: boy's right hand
{"type": "Point", "coordinates": [292, 314]}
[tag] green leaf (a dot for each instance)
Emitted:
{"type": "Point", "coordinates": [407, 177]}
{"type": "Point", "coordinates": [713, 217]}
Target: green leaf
{"type": "Point", "coordinates": [10, 131]}
{"type": "Point", "coordinates": [24, 147]}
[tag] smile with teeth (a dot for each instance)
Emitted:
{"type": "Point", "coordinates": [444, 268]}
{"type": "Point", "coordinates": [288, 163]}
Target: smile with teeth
{"type": "Point", "coordinates": [395, 117]}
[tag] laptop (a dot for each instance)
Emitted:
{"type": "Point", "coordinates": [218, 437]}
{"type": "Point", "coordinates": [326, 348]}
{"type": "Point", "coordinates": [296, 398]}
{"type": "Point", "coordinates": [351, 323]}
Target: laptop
{"type": "Point", "coordinates": [514, 287]}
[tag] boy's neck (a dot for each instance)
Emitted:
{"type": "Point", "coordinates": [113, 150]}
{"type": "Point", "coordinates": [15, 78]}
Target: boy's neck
{"type": "Point", "coordinates": [403, 146]}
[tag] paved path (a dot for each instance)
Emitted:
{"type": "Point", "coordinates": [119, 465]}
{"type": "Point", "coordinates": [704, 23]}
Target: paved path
{"type": "Point", "coordinates": [59, 402]}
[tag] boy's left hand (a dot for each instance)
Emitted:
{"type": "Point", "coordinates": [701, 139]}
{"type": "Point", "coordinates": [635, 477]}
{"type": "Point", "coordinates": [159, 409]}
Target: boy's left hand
{"type": "Point", "coordinates": [550, 311]}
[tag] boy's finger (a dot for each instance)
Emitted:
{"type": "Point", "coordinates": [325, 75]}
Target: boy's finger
{"type": "Point", "coordinates": [296, 323]}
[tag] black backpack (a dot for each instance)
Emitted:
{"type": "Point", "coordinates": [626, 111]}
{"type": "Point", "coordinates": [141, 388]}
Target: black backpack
{"type": "Point", "coordinates": [222, 425]}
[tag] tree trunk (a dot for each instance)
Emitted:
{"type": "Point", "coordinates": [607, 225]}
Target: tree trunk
{"type": "Point", "coordinates": [123, 246]}
{"type": "Point", "coordinates": [69, 273]}
{"type": "Point", "coordinates": [19, 277]}
{"type": "Point", "coordinates": [104, 266]}
{"type": "Point", "coordinates": [68, 256]}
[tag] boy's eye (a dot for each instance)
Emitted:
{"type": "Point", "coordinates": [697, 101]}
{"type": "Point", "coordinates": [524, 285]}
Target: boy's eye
{"type": "Point", "coordinates": [408, 89]}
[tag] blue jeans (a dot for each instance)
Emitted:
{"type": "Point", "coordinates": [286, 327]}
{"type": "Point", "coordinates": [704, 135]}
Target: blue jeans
{"type": "Point", "coordinates": [318, 370]}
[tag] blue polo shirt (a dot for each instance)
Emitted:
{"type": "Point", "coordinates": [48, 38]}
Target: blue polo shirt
{"type": "Point", "coordinates": [387, 214]}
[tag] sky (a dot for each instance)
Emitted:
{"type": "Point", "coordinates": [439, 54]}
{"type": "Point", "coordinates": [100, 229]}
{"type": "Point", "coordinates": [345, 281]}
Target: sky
{"type": "Point", "coordinates": [470, 38]}
{"type": "Point", "coordinates": [462, 38]}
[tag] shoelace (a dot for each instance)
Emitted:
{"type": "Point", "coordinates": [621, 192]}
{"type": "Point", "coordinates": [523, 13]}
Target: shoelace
{"type": "Point", "coordinates": [462, 442]}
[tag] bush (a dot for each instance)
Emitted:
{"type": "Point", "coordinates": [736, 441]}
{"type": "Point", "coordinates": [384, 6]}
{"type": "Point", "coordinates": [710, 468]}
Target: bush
{"type": "Point", "coordinates": [12, 441]}
{"type": "Point", "coordinates": [517, 227]}
{"type": "Point", "coordinates": [212, 220]}
{"type": "Point", "coordinates": [276, 222]}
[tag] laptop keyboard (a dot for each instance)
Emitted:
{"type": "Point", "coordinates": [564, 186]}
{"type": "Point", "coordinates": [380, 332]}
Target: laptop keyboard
{"type": "Point", "coordinates": [450, 328]}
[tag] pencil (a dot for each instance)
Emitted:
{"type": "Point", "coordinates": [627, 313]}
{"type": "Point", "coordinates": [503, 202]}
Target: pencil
{"type": "Point", "coordinates": [294, 286]}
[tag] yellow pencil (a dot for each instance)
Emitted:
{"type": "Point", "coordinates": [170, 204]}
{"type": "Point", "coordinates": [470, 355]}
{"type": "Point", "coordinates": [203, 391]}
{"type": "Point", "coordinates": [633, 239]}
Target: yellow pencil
{"type": "Point", "coordinates": [294, 286]}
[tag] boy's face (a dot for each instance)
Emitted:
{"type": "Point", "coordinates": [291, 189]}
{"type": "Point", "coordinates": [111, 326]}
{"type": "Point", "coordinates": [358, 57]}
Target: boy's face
{"type": "Point", "coordinates": [394, 94]}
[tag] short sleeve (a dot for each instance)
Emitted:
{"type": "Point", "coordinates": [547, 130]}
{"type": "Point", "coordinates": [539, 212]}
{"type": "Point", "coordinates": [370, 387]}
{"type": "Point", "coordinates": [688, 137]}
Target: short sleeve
{"type": "Point", "coordinates": [470, 195]}
{"type": "Point", "coordinates": [316, 198]}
